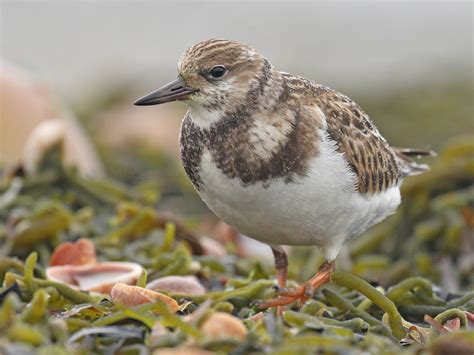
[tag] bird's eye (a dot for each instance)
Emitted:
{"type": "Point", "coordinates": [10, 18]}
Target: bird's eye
{"type": "Point", "coordinates": [217, 72]}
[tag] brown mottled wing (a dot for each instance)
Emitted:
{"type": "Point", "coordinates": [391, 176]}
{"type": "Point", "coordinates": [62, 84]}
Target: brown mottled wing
{"type": "Point", "coordinates": [368, 154]}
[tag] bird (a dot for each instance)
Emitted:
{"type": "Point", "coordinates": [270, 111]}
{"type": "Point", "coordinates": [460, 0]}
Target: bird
{"type": "Point", "coordinates": [280, 158]}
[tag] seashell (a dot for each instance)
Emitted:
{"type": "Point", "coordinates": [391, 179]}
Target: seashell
{"type": "Point", "coordinates": [224, 325]}
{"type": "Point", "coordinates": [212, 247]}
{"type": "Point", "coordinates": [98, 277]}
{"type": "Point", "coordinates": [133, 296]}
{"type": "Point", "coordinates": [187, 285]}
{"type": "Point", "coordinates": [81, 252]}
{"type": "Point", "coordinates": [29, 131]}
{"type": "Point", "coordinates": [453, 324]}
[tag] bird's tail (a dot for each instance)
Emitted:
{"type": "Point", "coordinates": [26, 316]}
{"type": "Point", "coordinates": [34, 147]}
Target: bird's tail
{"type": "Point", "coordinates": [408, 165]}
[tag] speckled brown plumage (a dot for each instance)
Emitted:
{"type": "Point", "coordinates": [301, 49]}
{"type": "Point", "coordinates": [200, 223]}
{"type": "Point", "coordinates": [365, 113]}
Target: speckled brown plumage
{"type": "Point", "coordinates": [374, 162]}
{"type": "Point", "coordinates": [294, 105]}
{"type": "Point", "coordinates": [367, 153]}
{"type": "Point", "coordinates": [232, 146]}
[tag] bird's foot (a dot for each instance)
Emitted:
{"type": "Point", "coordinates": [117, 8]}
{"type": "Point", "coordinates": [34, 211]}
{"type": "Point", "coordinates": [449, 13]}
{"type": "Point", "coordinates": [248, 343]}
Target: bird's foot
{"type": "Point", "coordinates": [286, 296]}
{"type": "Point", "coordinates": [301, 293]}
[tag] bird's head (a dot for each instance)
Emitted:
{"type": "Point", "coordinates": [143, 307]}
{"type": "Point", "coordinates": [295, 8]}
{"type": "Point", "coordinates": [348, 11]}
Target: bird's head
{"type": "Point", "coordinates": [215, 75]}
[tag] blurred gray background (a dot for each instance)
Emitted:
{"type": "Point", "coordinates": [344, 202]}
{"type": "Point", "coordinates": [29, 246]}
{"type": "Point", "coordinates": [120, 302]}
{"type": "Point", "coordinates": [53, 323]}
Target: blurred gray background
{"type": "Point", "coordinates": [350, 44]}
{"type": "Point", "coordinates": [408, 63]}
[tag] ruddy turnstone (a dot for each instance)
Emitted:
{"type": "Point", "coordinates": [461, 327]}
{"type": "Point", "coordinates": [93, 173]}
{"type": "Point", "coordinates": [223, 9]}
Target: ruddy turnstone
{"type": "Point", "coordinates": [280, 158]}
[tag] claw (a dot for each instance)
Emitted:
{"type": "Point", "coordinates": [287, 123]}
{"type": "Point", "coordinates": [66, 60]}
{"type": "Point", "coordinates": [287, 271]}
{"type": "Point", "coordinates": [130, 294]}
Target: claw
{"type": "Point", "coordinates": [301, 293]}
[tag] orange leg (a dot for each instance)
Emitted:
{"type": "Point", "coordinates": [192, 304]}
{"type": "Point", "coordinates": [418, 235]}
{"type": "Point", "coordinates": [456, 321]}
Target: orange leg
{"type": "Point", "coordinates": [303, 292]}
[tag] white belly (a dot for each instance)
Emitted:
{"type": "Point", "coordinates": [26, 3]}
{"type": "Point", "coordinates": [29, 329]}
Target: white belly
{"type": "Point", "coordinates": [321, 209]}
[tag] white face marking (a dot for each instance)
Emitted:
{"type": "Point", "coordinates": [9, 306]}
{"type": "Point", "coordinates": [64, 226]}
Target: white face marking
{"type": "Point", "coordinates": [202, 117]}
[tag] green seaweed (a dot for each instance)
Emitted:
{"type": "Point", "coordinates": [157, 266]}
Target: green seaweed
{"type": "Point", "coordinates": [414, 264]}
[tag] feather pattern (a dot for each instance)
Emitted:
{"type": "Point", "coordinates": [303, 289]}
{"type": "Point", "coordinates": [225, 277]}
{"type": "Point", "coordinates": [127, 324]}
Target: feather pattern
{"type": "Point", "coordinates": [376, 165]}
{"type": "Point", "coordinates": [281, 158]}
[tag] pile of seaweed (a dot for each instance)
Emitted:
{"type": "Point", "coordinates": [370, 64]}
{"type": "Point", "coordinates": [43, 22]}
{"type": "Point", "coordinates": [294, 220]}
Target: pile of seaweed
{"type": "Point", "coordinates": [407, 285]}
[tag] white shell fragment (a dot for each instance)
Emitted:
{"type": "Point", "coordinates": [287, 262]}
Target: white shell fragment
{"type": "Point", "coordinates": [187, 285]}
{"type": "Point", "coordinates": [99, 277]}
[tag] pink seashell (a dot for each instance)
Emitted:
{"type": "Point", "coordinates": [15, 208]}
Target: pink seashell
{"type": "Point", "coordinates": [224, 325]}
{"type": "Point", "coordinates": [188, 285]}
{"type": "Point", "coordinates": [212, 247]}
{"type": "Point", "coordinates": [133, 296]}
{"type": "Point", "coordinates": [81, 252]}
{"type": "Point", "coordinates": [98, 277]}
{"type": "Point", "coordinates": [453, 324]}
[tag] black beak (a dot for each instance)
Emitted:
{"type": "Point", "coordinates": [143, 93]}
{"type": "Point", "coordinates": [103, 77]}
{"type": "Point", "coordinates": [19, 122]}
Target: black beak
{"type": "Point", "coordinates": [173, 91]}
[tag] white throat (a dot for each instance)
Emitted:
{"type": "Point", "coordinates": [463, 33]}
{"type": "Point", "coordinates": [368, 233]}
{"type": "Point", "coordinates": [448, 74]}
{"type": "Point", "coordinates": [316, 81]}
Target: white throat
{"type": "Point", "coordinates": [203, 117]}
